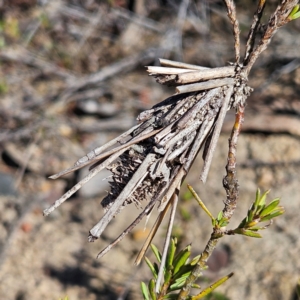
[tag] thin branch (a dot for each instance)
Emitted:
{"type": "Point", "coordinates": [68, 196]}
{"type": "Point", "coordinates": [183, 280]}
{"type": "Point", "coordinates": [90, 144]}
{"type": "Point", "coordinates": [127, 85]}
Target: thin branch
{"type": "Point", "coordinates": [153, 70]}
{"type": "Point", "coordinates": [84, 161]}
{"type": "Point", "coordinates": [174, 201]}
{"type": "Point", "coordinates": [253, 30]}
{"type": "Point", "coordinates": [203, 75]}
{"type": "Point", "coordinates": [90, 175]}
{"type": "Point", "coordinates": [97, 151]}
{"type": "Point", "coordinates": [206, 85]}
{"type": "Point", "coordinates": [176, 64]}
{"type": "Point", "coordinates": [236, 30]}
{"type": "Point", "coordinates": [230, 181]}
{"type": "Point", "coordinates": [216, 134]}
{"type": "Point", "coordinates": [277, 20]}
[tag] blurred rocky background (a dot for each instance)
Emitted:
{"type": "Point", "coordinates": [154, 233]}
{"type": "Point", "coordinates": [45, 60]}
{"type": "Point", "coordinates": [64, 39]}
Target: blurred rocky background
{"type": "Point", "coordinates": [72, 77]}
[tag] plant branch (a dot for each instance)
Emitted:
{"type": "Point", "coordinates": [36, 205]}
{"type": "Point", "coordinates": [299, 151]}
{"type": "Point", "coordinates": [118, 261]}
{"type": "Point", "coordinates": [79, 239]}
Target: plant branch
{"type": "Point", "coordinates": [236, 30]}
{"type": "Point", "coordinates": [254, 28]}
{"type": "Point", "coordinates": [279, 18]}
{"type": "Point", "coordinates": [230, 181]}
{"type": "Point", "coordinates": [174, 201]}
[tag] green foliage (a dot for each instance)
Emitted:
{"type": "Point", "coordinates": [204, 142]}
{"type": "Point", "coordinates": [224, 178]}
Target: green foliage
{"type": "Point", "coordinates": [220, 221]}
{"type": "Point", "coordinates": [200, 202]}
{"type": "Point", "coordinates": [295, 13]}
{"type": "Point", "coordinates": [177, 269]}
{"type": "Point", "coordinates": [208, 290]}
{"type": "Point", "coordinates": [145, 291]}
{"type": "Point", "coordinates": [179, 266]}
{"type": "Point", "coordinates": [259, 212]}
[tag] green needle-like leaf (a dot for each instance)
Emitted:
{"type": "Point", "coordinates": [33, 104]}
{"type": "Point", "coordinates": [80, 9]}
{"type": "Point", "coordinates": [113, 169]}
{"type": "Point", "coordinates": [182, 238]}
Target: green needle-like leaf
{"type": "Point", "coordinates": [151, 287]}
{"type": "Point", "coordinates": [295, 14]}
{"type": "Point", "coordinates": [171, 297]}
{"type": "Point", "coordinates": [184, 270]}
{"type": "Point", "coordinates": [171, 253]}
{"type": "Point", "coordinates": [295, 9]}
{"type": "Point", "coordinates": [195, 260]}
{"type": "Point", "coordinates": [177, 286]}
{"type": "Point", "coordinates": [270, 207]}
{"type": "Point", "coordinates": [156, 267]}
{"type": "Point", "coordinates": [250, 233]}
{"type": "Point", "coordinates": [181, 258]}
{"type": "Point", "coordinates": [250, 215]}
{"type": "Point", "coordinates": [145, 291]}
{"type": "Point", "coordinates": [168, 275]}
{"type": "Point", "coordinates": [262, 202]}
{"type": "Point", "coordinates": [223, 222]}
{"type": "Point", "coordinates": [256, 228]}
{"type": "Point", "coordinates": [151, 267]}
{"type": "Point", "coordinates": [156, 252]}
{"type": "Point", "coordinates": [257, 198]}
{"type": "Point", "coordinates": [212, 287]}
{"type": "Point", "coordinates": [179, 282]}
{"type": "Point", "coordinates": [220, 215]}
{"type": "Point", "coordinates": [200, 202]}
{"type": "Point", "coordinates": [196, 286]}
{"type": "Point", "coordinates": [273, 214]}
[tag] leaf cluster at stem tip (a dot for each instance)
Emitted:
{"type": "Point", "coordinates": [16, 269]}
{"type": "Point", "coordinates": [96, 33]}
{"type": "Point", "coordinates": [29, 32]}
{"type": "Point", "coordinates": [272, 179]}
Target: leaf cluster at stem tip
{"type": "Point", "coordinates": [259, 212]}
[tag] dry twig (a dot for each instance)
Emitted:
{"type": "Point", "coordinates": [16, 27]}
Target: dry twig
{"type": "Point", "coordinates": [236, 30]}
{"type": "Point", "coordinates": [156, 155]}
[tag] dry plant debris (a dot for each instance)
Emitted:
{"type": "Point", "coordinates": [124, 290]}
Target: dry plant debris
{"type": "Point", "coordinates": [155, 156]}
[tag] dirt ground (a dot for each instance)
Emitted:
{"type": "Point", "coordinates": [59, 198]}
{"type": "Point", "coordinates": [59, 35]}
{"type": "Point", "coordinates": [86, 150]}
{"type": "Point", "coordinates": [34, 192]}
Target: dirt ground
{"type": "Point", "coordinates": [71, 79]}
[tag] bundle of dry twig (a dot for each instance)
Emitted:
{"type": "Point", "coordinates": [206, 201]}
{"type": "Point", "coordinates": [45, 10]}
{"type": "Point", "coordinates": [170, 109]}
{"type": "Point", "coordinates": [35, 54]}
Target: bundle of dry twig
{"type": "Point", "coordinates": [154, 156]}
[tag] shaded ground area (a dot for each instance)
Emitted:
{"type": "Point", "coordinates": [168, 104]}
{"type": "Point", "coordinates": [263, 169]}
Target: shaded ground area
{"type": "Point", "coordinates": [72, 78]}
